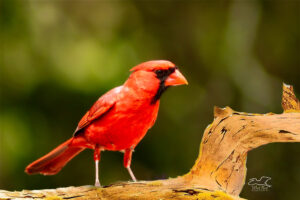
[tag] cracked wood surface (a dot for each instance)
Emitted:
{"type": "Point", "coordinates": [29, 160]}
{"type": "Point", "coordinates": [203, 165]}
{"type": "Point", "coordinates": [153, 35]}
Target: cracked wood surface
{"type": "Point", "coordinates": [221, 164]}
{"type": "Point", "coordinates": [124, 191]}
{"type": "Point", "coordinates": [220, 169]}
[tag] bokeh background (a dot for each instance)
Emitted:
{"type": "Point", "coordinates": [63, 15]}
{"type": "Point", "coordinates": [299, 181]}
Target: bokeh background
{"type": "Point", "coordinates": [58, 57]}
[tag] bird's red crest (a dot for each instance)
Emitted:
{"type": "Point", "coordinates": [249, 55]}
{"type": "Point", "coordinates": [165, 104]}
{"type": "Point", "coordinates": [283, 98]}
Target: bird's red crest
{"type": "Point", "coordinates": [153, 64]}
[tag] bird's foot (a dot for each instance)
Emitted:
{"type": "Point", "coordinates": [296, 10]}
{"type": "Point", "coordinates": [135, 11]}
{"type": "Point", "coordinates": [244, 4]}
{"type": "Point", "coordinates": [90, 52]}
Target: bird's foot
{"type": "Point", "coordinates": [97, 183]}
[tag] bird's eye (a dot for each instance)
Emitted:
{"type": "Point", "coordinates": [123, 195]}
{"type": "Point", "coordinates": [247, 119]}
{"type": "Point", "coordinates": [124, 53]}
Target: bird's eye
{"type": "Point", "coordinates": [159, 72]}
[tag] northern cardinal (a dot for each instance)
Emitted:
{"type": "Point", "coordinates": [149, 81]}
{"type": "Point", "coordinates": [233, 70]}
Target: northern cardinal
{"type": "Point", "coordinates": [118, 120]}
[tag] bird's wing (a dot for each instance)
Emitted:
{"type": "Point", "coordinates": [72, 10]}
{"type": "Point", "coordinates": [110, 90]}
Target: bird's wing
{"type": "Point", "coordinates": [103, 105]}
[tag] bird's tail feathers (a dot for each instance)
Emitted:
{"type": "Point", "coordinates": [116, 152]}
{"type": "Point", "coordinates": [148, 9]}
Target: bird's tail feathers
{"type": "Point", "coordinates": [55, 160]}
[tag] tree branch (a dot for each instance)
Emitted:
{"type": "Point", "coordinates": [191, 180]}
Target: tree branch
{"type": "Point", "coordinates": [219, 171]}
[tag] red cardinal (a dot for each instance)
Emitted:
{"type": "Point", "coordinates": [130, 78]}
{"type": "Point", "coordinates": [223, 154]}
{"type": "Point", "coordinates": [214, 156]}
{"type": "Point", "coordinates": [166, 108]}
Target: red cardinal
{"type": "Point", "coordinates": [118, 120]}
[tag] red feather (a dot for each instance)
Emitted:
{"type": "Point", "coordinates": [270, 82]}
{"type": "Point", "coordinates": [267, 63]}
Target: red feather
{"type": "Point", "coordinates": [100, 107]}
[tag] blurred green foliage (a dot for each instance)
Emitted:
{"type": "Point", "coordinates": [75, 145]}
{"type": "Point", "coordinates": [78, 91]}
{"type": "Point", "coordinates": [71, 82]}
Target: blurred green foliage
{"type": "Point", "coordinates": [58, 57]}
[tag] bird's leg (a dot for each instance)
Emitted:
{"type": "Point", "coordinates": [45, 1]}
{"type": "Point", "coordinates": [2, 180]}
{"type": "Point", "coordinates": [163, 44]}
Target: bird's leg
{"type": "Point", "coordinates": [97, 152]}
{"type": "Point", "coordinates": [127, 162]}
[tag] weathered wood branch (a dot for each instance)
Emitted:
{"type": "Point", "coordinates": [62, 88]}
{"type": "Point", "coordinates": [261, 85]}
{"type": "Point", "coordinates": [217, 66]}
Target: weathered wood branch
{"type": "Point", "coordinates": [219, 171]}
{"type": "Point", "coordinates": [223, 152]}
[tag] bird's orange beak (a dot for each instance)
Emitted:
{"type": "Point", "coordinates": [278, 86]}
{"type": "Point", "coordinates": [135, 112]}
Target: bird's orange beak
{"type": "Point", "coordinates": [176, 78]}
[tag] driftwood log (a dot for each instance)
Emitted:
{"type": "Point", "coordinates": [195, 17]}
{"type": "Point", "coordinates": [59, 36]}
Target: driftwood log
{"type": "Point", "coordinates": [220, 170]}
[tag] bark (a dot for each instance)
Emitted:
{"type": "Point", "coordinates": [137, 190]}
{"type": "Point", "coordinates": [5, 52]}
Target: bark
{"type": "Point", "coordinates": [220, 169]}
